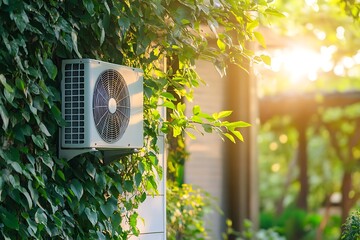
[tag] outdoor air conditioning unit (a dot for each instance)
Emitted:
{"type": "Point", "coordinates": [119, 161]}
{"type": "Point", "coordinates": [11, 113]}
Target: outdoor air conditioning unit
{"type": "Point", "coordinates": [102, 104]}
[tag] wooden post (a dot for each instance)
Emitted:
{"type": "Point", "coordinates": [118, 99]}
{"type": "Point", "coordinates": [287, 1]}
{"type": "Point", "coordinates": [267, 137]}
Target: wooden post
{"type": "Point", "coordinates": [301, 125]}
{"type": "Point", "coordinates": [241, 158]}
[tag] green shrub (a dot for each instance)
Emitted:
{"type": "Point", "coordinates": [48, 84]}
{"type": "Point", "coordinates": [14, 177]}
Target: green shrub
{"type": "Point", "coordinates": [186, 208]}
{"type": "Point", "coordinates": [351, 228]}
{"type": "Point", "coordinates": [292, 223]}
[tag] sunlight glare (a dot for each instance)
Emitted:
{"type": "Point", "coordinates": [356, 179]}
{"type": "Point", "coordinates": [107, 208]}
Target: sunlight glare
{"type": "Point", "coordinates": [339, 70]}
{"type": "Point", "coordinates": [283, 138]}
{"type": "Point", "coordinates": [313, 4]}
{"type": "Point", "coordinates": [273, 146]}
{"type": "Point", "coordinates": [348, 62]}
{"type": "Point", "coordinates": [302, 63]}
{"type": "Point", "coordinates": [357, 57]}
{"type": "Point", "coordinates": [340, 33]}
{"type": "Point", "coordinates": [321, 35]}
{"type": "Point", "coordinates": [275, 167]}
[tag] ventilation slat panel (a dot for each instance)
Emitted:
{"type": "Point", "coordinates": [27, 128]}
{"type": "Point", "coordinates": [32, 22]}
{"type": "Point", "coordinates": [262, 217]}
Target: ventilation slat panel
{"type": "Point", "coordinates": [74, 103]}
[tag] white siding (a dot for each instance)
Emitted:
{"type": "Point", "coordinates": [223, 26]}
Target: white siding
{"type": "Point", "coordinates": [205, 166]}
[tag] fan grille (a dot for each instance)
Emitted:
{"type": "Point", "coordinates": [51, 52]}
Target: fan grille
{"type": "Point", "coordinates": [111, 105]}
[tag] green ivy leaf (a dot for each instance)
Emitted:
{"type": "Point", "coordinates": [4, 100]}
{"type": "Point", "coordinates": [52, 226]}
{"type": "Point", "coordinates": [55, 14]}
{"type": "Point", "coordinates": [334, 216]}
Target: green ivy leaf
{"type": "Point", "coordinates": [16, 166]}
{"type": "Point", "coordinates": [90, 170]}
{"type": "Point", "coordinates": [61, 174]}
{"type": "Point", "coordinates": [47, 160]}
{"type": "Point", "coordinates": [169, 104]}
{"type": "Point", "coordinates": [38, 140]}
{"type": "Point", "coordinates": [89, 5]}
{"type": "Point", "coordinates": [118, 187]}
{"type": "Point", "coordinates": [33, 192]}
{"type": "Point", "coordinates": [92, 216]}
{"type": "Point", "coordinates": [21, 20]}
{"type": "Point", "coordinates": [192, 136]}
{"type": "Point", "coordinates": [141, 167]}
{"type": "Point", "coordinates": [274, 12]}
{"type": "Point", "coordinates": [109, 207]}
{"type": "Point", "coordinates": [20, 84]}
{"type": "Point", "coordinates": [238, 135]}
{"type": "Point", "coordinates": [50, 68]}
{"type": "Point", "coordinates": [138, 179]}
{"type": "Point", "coordinates": [260, 38]}
{"type": "Point", "coordinates": [57, 221]}
{"type": "Point", "coordinates": [143, 197]}
{"type": "Point", "coordinates": [168, 96]}
{"type": "Point", "coordinates": [5, 84]}
{"type": "Point", "coordinates": [266, 59]}
{"type": "Point", "coordinates": [196, 110]}
{"type": "Point", "coordinates": [4, 116]}
{"type": "Point", "coordinates": [32, 226]}
{"type": "Point", "coordinates": [9, 96]}
{"type": "Point", "coordinates": [44, 129]}
{"type": "Point", "coordinates": [152, 182]}
{"type": "Point", "coordinates": [27, 196]}
{"type": "Point", "coordinates": [40, 217]}
{"type": "Point", "coordinates": [230, 137]}
{"type": "Point", "coordinates": [128, 185]}
{"type": "Point", "coordinates": [207, 128]}
{"type": "Point", "coordinates": [221, 45]}
{"type": "Point", "coordinates": [222, 114]}
{"type": "Point", "coordinates": [116, 220]}
{"type": "Point", "coordinates": [75, 44]}
{"type": "Point", "coordinates": [89, 187]}
{"type": "Point", "coordinates": [102, 36]}
{"type": "Point", "coordinates": [133, 220]}
{"type": "Point", "coordinates": [176, 131]}
{"type": "Point", "coordinates": [252, 25]}
{"type": "Point", "coordinates": [238, 124]}
{"type": "Point", "coordinates": [100, 235]}
{"type": "Point", "coordinates": [100, 180]}
{"type": "Point", "coordinates": [77, 188]}
{"type": "Point", "coordinates": [9, 219]}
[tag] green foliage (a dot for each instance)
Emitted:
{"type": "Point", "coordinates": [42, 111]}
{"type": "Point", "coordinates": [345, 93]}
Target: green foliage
{"type": "Point", "coordinates": [249, 233]}
{"type": "Point", "coordinates": [292, 223]}
{"type": "Point", "coordinates": [351, 228]}
{"type": "Point", "coordinates": [210, 123]}
{"type": "Point", "coordinates": [185, 210]}
{"type": "Point", "coordinates": [352, 8]}
{"type": "Point", "coordinates": [42, 196]}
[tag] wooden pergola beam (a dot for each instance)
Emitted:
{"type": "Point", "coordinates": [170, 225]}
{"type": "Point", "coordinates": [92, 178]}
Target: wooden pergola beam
{"type": "Point", "coordinates": [297, 105]}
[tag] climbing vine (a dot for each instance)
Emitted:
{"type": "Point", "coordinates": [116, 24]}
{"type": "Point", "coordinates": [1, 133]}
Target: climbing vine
{"type": "Point", "coordinates": [42, 196]}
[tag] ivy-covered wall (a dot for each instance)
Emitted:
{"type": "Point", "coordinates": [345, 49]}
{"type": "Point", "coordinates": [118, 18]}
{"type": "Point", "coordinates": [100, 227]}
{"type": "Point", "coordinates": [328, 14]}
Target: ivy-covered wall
{"type": "Point", "coordinates": [42, 196]}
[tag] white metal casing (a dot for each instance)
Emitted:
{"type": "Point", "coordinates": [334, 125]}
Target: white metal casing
{"type": "Point", "coordinates": [88, 71]}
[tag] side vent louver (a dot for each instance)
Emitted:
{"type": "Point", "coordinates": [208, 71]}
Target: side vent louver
{"type": "Point", "coordinates": [74, 103]}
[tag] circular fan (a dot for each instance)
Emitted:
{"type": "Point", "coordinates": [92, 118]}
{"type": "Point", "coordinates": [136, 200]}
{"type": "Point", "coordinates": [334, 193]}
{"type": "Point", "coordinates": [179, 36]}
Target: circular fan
{"type": "Point", "coordinates": [111, 105]}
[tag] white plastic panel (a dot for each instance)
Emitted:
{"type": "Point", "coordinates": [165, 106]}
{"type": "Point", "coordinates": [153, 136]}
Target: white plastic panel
{"type": "Point", "coordinates": [161, 182]}
{"type": "Point", "coordinates": [151, 236]}
{"type": "Point", "coordinates": [153, 214]}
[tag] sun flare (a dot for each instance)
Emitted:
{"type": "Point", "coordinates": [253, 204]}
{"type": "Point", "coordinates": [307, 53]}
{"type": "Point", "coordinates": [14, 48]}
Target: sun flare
{"type": "Point", "coordinates": [301, 63]}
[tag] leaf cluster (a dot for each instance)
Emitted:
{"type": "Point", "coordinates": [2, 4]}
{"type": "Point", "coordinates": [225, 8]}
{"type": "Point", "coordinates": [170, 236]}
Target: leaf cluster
{"type": "Point", "coordinates": [351, 228]}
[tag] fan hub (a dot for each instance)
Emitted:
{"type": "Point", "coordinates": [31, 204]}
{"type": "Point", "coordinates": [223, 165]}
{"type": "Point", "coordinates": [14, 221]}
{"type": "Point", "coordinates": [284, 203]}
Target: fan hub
{"type": "Point", "coordinates": [112, 105]}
